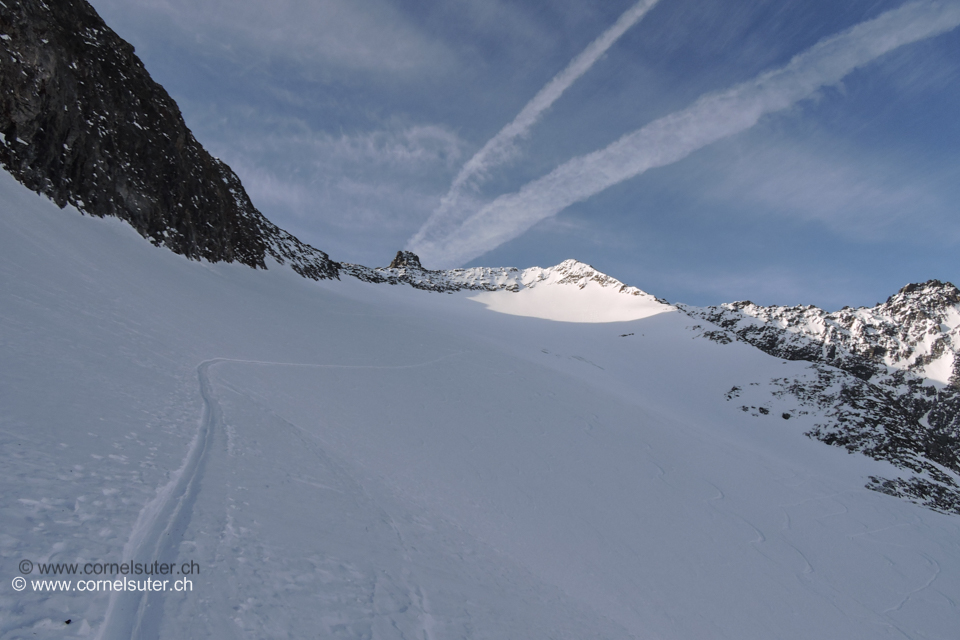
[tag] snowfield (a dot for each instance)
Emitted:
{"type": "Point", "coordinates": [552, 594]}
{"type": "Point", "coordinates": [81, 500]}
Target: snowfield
{"type": "Point", "coordinates": [353, 460]}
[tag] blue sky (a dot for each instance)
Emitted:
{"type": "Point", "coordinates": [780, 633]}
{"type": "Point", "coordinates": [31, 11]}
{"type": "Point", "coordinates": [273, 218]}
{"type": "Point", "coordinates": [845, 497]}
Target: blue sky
{"type": "Point", "coordinates": [684, 152]}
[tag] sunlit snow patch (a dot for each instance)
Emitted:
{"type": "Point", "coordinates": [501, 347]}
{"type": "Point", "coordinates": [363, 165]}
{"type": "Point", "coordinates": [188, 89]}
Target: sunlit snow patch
{"type": "Point", "coordinates": [572, 292]}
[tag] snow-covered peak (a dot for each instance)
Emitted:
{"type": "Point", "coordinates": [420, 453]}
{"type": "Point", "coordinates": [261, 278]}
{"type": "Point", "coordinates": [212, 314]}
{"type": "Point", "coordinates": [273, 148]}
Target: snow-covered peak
{"type": "Point", "coordinates": [579, 274]}
{"type": "Point", "coordinates": [571, 291]}
{"type": "Point", "coordinates": [932, 299]}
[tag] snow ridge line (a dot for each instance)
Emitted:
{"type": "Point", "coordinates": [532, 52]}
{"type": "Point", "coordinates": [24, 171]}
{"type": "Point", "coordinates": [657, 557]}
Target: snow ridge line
{"type": "Point", "coordinates": [333, 366]}
{"type": "Point", "coordinates": [153, 536]}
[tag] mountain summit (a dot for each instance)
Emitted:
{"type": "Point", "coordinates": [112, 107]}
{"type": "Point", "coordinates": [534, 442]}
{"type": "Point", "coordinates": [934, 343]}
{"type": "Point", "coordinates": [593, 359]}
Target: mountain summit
{"type": "Point", "coordinates": [405, 260]}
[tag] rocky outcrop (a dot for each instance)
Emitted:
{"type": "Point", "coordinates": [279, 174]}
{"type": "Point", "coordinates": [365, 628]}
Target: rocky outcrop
{"type": "Point", "coordinates": [885, 379]}
{"type": "Point", "coordinates": [82, 122]}
{"type": "Point", "coordinates": [404, 260]}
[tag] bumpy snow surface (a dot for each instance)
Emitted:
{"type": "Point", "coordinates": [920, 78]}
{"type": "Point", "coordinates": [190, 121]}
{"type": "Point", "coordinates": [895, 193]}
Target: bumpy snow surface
{"type": "Point", "coordinates": [343, 459]}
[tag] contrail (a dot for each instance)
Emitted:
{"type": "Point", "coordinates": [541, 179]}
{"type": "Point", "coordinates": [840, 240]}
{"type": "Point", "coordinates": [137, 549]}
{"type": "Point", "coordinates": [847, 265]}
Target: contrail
{"type": "Point", "coordinates": [712, 117]}
{"type": "Point", "coordinates": [501, 147]}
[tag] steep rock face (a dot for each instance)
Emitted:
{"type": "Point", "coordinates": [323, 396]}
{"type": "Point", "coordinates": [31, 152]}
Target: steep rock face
{"type": "Point", "coordinates": [886, 379]}
{"type": "Point", "coordinates": [82, 122]}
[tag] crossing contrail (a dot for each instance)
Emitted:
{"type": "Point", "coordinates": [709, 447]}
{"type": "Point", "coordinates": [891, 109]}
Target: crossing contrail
{"type": "Point", "coordinates": [453, 207]}
{"type": "Point", "coordinates": [712, 117]}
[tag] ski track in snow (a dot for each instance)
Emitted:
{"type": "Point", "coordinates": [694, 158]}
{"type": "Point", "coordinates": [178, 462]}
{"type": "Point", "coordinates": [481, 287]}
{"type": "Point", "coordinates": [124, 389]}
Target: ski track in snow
{"type": "Point", "coordinates": [935, 567]}
{"type": "Point", "coordinates": [153, 535]}
{"type": "Point", "coordinates": [161, 523]}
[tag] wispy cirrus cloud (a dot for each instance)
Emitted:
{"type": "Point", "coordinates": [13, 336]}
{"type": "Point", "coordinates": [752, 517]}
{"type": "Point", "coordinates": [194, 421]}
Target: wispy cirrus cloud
{"type": "Point", "coordinates": [711, 118]}
{"type": "Point", "coordinates": [456, 204]}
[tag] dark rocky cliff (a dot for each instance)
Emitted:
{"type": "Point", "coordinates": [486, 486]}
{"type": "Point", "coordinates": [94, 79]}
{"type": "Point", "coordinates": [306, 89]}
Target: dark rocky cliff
{"type": "Point", "coordinates": [82, 122]}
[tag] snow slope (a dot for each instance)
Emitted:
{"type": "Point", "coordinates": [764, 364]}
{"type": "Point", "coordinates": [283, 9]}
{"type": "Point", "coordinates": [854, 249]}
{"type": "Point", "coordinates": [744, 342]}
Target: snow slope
{"type": "Point", "coordinates": [352, 460]}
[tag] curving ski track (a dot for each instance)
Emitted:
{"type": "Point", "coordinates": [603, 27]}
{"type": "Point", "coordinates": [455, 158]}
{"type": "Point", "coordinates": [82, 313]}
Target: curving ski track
{"type": "Point", "coordinates": [155, 536]}
{"type": "Point", "coordinates": [136, 615]}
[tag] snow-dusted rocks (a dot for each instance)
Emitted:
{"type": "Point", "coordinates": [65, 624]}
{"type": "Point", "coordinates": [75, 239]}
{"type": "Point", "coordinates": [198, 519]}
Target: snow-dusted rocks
{"type": "Point", "coordinates": [885, 379]}
{"type": "Point", "coordinates": [916, 330]}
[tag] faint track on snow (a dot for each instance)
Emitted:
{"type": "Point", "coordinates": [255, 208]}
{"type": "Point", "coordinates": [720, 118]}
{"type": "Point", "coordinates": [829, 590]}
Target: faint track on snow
{"type": "Point", "coordinates": [156, 534]}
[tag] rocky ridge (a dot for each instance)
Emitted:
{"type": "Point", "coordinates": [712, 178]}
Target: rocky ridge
{"type": "Point", "coordinates": [884, 379]}
{"type": "Point", "coordinates": [915, 330]}
{"type": "Point", "coordinates": [82, 122]}
{"type": "Point", "coordinates": [406, 269]}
